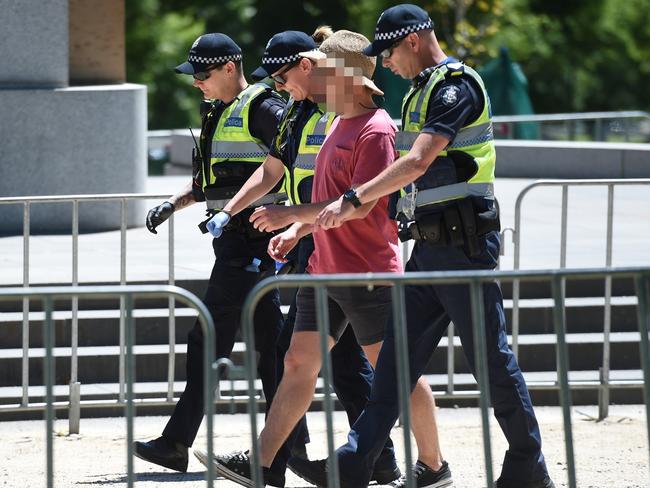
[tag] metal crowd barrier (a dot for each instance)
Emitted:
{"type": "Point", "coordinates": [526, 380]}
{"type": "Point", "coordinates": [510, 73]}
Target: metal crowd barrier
{"type": "Point", "coordinates": [128, 295]}
{"type": "Point", "coordinates": [603, 397]}
{"type": "Point", "coordinates": [474, 279]}
{"type": "Point", "coordinates": [75, 200]}
{"type": "Point", "coordinates": [570, 121]}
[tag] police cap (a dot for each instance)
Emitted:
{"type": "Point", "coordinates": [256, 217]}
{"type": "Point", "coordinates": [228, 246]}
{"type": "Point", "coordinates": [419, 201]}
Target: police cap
{"type": "Point", "coordinates": [282, 49]}
{"type": "Point", "coordinates": [396, 23]}
{"type": "Point", "coordinates": [209, 50]}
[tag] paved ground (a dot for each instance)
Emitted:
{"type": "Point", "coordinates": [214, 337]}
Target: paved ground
{"type": "Point", "coordinates": [609, 454]}
{"type": "Point", "coordinates": [51, 257]}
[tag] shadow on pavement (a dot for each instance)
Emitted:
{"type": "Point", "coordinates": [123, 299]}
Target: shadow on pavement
{"type": "Point", "coordinates": [108, 479]}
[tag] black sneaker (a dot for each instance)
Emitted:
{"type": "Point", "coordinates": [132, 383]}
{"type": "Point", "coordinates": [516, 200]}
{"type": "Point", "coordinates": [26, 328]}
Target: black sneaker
{"type": "Point", "coordinates": [425, 477]}
{"type": "Point", "coordinates": [543, 483]}
{"type": "Point", "coordinates": [315, 472]}
{"type": "Point", "coordinates": [236, 467]}
{"type": "Point", "coordinates": [163, 452]}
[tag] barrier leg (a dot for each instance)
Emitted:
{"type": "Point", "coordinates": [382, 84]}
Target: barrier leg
{"type": "Point", "coordinates": [480, 353]}
{"type": "Point", "coordinates": [644, 326]}
{"type": "Point", "coordinates": [563, 377]}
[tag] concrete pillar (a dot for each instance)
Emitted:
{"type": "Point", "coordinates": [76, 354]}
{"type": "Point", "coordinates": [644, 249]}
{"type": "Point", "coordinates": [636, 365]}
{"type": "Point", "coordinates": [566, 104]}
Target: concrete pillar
{"type": "Point", "coordinates": [68, 122]}
{"type": "Point", "coordinates": [34, 47]}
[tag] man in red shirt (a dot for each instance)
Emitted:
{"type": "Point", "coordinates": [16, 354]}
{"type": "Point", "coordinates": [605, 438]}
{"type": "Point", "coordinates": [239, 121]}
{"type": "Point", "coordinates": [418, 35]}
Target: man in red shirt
{"type": "Point", "coordinates": [359, 145]}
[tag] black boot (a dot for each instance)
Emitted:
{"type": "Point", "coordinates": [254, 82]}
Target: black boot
{"type": "Point", "coordinates": [163, 452]}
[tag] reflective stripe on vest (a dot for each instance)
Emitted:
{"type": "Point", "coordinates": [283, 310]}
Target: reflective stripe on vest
{"type": "Point", "coordinates": [312, 137]}
{"type": "Point", "coordinates": [470, 136]}
{"type": "Point", "coordinates": [476, 140]}
{"type": "Point", "coordinates": [306, 161]}
{"type": "Point", "coordinates": [404, 140]}
{"type": "Point", "coordinates": [444, 194]}
{"type": "Point", "coordinates": [232, 141]}
{"type": "Point", "coordinates": [237, 150]}
{"type": "Point", "coordinates": [312, 140]}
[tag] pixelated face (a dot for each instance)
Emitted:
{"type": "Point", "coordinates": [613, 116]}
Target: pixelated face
{"type": "Point", "coordinates": [337, 85]}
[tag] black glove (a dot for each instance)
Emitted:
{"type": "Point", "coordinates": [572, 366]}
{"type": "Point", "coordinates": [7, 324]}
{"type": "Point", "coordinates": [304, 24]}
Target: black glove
{"type": "Point", "coordinates": [158, 215]}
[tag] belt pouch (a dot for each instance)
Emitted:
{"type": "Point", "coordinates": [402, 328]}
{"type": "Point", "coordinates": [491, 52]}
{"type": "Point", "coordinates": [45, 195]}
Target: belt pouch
{"type": "Point", "coordinates": [429, 227]}
{"type": "Point", "coordinates": [468, 216]}
{"type": "Point", "coordinates": [454, 226]}
{"type": "Point", "coordinates": [488, 221]}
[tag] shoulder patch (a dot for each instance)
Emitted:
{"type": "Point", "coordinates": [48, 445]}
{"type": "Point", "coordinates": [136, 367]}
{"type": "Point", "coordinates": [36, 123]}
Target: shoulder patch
{"type": "Point", "coordinates": [449, 95]}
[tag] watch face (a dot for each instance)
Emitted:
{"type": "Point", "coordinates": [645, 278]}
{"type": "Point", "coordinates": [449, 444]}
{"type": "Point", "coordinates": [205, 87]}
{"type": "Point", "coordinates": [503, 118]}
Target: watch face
{"type": "Point", "coordinates": [351, 196]}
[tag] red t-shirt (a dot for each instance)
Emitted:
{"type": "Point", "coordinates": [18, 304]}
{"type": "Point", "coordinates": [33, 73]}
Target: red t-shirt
{"type": "Point", "coordinates": [355, 151]}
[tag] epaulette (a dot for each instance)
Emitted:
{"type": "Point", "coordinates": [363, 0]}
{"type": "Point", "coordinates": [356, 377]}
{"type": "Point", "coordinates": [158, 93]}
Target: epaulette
{"type": "Point", "coordinates": [455, 69]}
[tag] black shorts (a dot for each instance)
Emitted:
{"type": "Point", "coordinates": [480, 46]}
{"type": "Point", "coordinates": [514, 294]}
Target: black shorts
{"type": "Point", "coordinates": [368, 312]}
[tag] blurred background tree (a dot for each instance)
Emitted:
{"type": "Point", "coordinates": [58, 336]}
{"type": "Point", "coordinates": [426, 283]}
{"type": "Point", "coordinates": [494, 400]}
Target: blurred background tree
{"type": "Point", "coordinates": [578, 55]}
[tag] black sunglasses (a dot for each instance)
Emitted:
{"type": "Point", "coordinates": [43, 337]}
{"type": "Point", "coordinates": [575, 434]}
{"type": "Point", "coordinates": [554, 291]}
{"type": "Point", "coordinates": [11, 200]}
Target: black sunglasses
{"type": "Point", "coordinates": [388, 52]}
{"type": "Point", "coordinates": [279, 78]}
{"type": "Point", "coordinates": [204, 75]}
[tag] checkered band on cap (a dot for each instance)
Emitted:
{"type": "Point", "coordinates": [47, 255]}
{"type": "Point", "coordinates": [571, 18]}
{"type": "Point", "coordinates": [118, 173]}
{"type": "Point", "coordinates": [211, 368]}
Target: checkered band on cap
{"type": "Point", "coordinates": [281, 60]}
{"type": "Point", "coordinates": [216, 60]}
{"type": "Point", "coordinates": [384, 36]}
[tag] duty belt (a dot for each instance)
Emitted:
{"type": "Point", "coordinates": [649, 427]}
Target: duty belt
{"type": "Point", "coordinates": [265, 200]}
{"type": "Point", "coordinates": [430, 196]}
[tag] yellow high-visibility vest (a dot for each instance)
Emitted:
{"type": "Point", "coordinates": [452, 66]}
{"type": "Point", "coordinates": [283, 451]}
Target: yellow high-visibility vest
{"type": "Point", "coordinates": [475, 140]}
{"type": "Point", "coordinates": [311, 139]}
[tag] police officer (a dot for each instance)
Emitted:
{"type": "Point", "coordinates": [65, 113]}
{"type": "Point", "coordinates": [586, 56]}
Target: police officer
{"type": "Point", "coordinates": [447, 166]}
{"type": "Point", "coordinates": [292, 155]}
{"type": "Point", "coordinates": [237, 129]}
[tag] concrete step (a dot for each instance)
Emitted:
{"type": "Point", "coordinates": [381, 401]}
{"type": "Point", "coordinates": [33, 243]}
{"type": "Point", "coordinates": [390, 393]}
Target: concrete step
{"type": "Point", "coordinates": [98, 364]}
{"type": "Point", "coordinates": [151, 397]}
{"type": "Point", "coordinates": [101, 327]}
{"type": "Point", "coordinates": [197, 287]}
{"type": "Point", "coordinates": [97, 327]}
{"type": "Point", "coordinates": [541, 289]}
{"type": "Point", "coordinates": [157, 389]}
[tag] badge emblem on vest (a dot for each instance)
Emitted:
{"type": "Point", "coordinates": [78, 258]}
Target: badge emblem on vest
{"type": "Point", "coordinates": [234, 122]}
{"type": "Point", "coordinates": [449, 95]}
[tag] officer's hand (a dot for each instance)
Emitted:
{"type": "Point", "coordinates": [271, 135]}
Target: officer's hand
{"type": "Point", "coordinates": [158, 215]}
{"type": "Point", "coordinates": [216, 224]}
{"type": "Point", "coordinates": [334, 214]}
{"type": "Point", "coordinates": [281, 244]}
{"type": "Point", "coordinates": [272, 217]}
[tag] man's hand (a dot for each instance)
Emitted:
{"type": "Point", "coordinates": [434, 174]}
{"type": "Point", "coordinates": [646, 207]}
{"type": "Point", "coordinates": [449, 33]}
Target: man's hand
{"type": "Point", "coordinates": [158, 215]}
{"type": "Point", "coordinates": [271, 217]}
{"type": "Point", "coordinates": [281, 244]}
{"type": "Point", "coordinates": [217, 223]}
{"type": "Point", "coordinates": [334, 214]}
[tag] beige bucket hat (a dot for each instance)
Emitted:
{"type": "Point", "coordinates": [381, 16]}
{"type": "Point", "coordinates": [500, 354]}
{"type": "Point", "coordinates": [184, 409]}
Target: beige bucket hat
{"type": "Point", "coordinates": [344, 49]}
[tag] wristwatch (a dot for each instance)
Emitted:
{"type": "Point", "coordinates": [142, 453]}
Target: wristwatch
{"type": "Point", "coordinates": [350, 195]}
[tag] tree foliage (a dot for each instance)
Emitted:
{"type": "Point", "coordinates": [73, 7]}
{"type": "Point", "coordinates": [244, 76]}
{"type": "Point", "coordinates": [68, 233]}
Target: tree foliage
{"type": "Point", "coordinates": [578, 55]}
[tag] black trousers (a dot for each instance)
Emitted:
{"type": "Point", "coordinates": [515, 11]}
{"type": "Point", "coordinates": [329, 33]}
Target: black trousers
{"type": "Point", "coordinates": [229, 285]}
{"type": "Point", "coordinates": [429, 309]}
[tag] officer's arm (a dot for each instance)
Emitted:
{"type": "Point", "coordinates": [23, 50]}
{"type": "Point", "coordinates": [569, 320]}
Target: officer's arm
{"type": "Point", "coordinates": [183, 198]}
{"type": "Point", "coordinates": [404, 170]}
{"type": "Point", "coordinates": [273, 217]}
{"type": "Point", "coordinates": [259, 184]}
{"type": "Point", "coordinates": [308, 212]}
